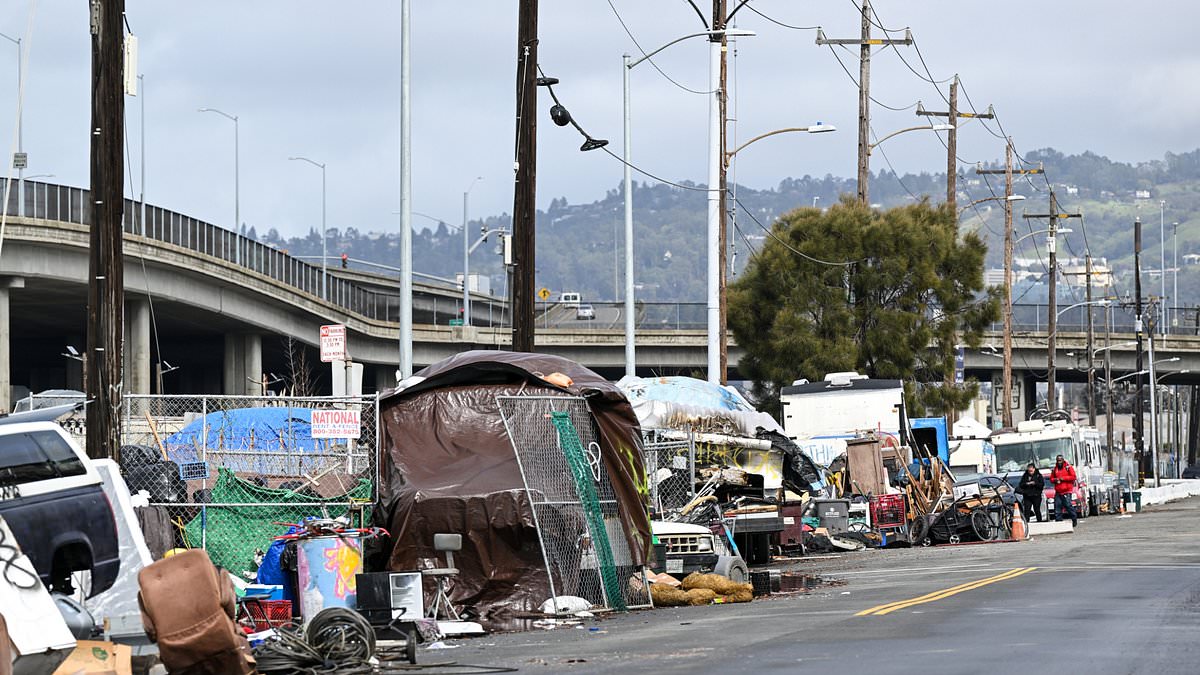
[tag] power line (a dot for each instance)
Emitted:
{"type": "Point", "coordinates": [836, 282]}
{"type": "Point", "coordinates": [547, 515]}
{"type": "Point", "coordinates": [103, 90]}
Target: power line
{"type": "Point", "coordinates": [770, 232]}
{"type": "Point", "coordinates": [777, 21]}
{"type": "Point", "coordinates": [856, 84]}
{"type": "Point", "coordinates": [650, 60]}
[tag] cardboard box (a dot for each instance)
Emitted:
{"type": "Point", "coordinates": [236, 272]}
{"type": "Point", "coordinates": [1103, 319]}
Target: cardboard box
{"type": "Point", "coordinates": [98, 658]}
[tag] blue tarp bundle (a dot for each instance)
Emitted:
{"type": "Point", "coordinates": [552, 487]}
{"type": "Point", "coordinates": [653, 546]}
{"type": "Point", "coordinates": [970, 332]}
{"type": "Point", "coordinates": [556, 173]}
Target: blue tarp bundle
{"type": "Point", "coordinates": [685, 390]}
{"type": "Point", "coordinates": [249, 439]}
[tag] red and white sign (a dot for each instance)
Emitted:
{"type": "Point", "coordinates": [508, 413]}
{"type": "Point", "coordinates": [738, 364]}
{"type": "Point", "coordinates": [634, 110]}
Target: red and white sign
{"type": "Point", "coordinates": [333, 343]}
{"type": "Point", "coordinates": [336, 423]}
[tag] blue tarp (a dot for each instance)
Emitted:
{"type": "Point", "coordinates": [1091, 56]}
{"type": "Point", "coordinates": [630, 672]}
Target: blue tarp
{"type": "Point", "coordinates": [249, 439]}
{"type": "Point", "coordinates": [685, 390]}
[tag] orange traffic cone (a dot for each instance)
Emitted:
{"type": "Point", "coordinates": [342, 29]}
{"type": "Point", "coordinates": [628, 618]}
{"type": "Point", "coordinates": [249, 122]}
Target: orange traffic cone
{"type": "Point", "coordinates": [1018, 525]}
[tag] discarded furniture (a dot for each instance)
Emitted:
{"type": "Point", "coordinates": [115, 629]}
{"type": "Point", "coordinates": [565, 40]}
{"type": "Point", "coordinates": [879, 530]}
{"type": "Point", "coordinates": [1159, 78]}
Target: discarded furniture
{"type": "Point", "coordinates": [188, 608]}
{"type": "Point", "coordinates": [448, 544]}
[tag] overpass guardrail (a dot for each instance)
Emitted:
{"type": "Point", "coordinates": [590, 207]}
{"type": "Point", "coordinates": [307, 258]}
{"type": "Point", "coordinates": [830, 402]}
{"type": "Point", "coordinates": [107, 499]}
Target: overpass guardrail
{"type": "Point", "coordinates": [49, 201]}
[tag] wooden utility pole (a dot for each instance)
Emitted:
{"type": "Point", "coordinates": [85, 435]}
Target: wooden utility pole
{"type": "Point", "coordinates": [1008, 172]}
{"type": "Point", "coordinates": [106, 284]}
{"type": "Point", "coordinates": [952, 116]}
{"type": "Point", "coordinates": [524, 194]}
{"type": "Point", "coordinates": [1052, 319]}
{"type": "Point", "coordinates": [719, 21]}
{"type": "Point", "coordinates": [864, 92]}
{"type": "Point", "coordinates": [1091, 372]}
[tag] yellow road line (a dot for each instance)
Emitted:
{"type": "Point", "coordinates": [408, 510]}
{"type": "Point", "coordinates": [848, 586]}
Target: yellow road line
{"type": "Point", "coordinates": [964, 586]}
{"type": "Point", "coordinates": [880, 610]}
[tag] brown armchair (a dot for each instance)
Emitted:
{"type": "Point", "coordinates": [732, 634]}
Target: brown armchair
{"type": "Point", "coordinates": [187, 608]}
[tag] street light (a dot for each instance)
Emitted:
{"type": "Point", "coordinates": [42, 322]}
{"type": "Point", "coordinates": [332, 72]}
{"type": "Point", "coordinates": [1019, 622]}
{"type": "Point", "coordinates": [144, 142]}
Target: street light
{"type": "Point", "coordinates": [467, 256]}
{"type": "Point", "coordinates": [927, 127]}
{"type": "Point", "coordinates": [713, 210]}
{"type": "Point", "coordinates": [997, 198]}
{"type": "Point", "coordinates": [324, 232]}
{"type": "Point", "coordinates": [20, 123]}
{"type": "Point", "coordinates": [818, 128]}
{"type": "Point", "coordinates": [237, 214]}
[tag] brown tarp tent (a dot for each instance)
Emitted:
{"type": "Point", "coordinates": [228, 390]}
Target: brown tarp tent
{"type": "Point", "coordinates": [447, 465]}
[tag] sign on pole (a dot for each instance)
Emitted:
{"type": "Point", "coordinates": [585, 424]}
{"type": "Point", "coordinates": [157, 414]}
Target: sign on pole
{"type": "Point", "coordinates": [333, 343]}
{"type": "Point", "coordinates": [336, 423]}
{"type": "Point", "coordinates": [544, 293]}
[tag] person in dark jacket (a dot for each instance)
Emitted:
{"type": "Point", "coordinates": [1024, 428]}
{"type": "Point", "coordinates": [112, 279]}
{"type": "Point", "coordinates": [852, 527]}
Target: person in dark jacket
{"type": "Point", "coordinates": [1063, 477]}
{"type": "Point", "coordinates": [1030, 488]}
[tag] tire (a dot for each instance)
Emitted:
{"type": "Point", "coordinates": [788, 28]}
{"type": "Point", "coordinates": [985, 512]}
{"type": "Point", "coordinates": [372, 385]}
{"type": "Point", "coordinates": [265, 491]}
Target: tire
{"type": "Point", "coordinates": [986, 524]}
{"type": "Point", "coordinates": [733, 568]}
{"type": "Point", "coordinates": [919, 529]}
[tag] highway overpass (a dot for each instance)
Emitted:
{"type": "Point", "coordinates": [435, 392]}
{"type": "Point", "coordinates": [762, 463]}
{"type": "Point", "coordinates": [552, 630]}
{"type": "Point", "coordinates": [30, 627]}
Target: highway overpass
{"type": "Point", "coordinates": [222, 309]}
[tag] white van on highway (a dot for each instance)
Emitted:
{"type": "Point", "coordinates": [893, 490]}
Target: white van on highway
{"type": "Point", "coordinates": [570, 299]}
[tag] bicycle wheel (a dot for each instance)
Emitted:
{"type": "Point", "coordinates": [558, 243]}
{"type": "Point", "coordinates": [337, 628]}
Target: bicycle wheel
{"type": "Point", "coordinates": [986, 524]}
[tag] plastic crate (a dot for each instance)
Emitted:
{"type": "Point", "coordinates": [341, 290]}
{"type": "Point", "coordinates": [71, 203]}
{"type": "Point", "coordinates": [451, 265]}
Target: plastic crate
{"type": "Point", "coordinates": [888, 511]}
{"type": "Point", "coordinates": [268, 614]}
{"type": "Point", "coordinates": [761, 581]}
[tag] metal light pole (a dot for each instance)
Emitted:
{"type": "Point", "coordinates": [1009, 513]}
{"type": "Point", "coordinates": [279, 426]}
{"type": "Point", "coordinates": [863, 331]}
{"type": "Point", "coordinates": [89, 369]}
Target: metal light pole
{"type": "Point", "coordinates": [1162, 264]}
{"type": "Point", "coordinates": [142, 163]}
{"type": "Point", "coordinates": [714, 197]}
{"type": "Point", "coordinates": [324, 231]}
{"type": "Point", "coordinates": [237, 182]}
{"type": "Point", "coordinates": [630, 356]}
{"type": "Point", "coordinates": [20, 122]}
{"type": "Point", "coordinates": [405, 366]}
{"type": "Point", "coordinates": [1175, 273]}
{"type": "Point", "coordinates": [467, 256]}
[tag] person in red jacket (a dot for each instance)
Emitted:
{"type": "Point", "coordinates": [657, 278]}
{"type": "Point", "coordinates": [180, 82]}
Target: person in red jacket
{"type": "Point", "coordinates": [1063, 477]}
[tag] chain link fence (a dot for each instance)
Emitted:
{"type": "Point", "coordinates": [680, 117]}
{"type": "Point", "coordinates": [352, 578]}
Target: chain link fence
{"type": "Point", "coordinates": [670, 471]}
{"type": "Point", "coordinates": [574, 506]}
{"type": "Point", "coordinates": [228, 473]}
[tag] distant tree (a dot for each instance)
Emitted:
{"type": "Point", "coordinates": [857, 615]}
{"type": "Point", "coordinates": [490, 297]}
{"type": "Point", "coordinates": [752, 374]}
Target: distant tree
{"type": "Point", "coordinates": [887, 293]}
{"type": "Point", "coordinates": [251, 233]}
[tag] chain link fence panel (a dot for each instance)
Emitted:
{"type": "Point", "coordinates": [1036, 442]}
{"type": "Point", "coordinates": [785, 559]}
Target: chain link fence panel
{"type": "Point", "coordinates": [574, 564]}
{"type": "Point", "coordinates": [670, 472]}
{"type": "Point", "coordinates": [230, 472]}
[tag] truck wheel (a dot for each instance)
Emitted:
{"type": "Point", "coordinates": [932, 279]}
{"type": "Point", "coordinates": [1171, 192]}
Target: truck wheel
{"type": "Point", "coordinates": [733, 568]}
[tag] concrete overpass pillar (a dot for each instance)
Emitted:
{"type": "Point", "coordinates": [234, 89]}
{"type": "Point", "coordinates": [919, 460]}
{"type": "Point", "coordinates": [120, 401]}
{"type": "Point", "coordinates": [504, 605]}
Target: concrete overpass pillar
{"type": "Point", "coordinates": [243, 363]}
{"type": "Point", "coordinates": [234, 382]}
{"type": "Point", "coordinates": [137, 346]}
{"type": "Point", "coordinates": [252, 352]}
{"type": "Point", "coordinates": [5, 353]}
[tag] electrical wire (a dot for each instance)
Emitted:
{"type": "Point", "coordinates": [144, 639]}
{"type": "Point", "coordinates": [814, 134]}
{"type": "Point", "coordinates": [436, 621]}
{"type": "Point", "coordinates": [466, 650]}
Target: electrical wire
{"type": "Point", "coordinates": [777, 22]}
{"type": "Point", "coordinates": [703, 19]}
{"type": "Point", "coordinates": [855, 81]}
{"type": "Point", "coordinates": [647, 174]}
{"type": "Point", "coordinates": [888, 161]}
{"type": "Point", "coordinates": [788, 246]}
{"type": "Point", "coordinates": [650, 60]}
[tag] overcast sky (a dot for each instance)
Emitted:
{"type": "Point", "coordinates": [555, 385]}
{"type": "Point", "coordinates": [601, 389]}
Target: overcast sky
{"type": "Point", "coordinates": [321, 80]}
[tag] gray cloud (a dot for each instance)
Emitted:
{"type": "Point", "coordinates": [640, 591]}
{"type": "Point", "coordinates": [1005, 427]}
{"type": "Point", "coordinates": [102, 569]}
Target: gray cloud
{"type": "Point", "coordinates": [322, 80]}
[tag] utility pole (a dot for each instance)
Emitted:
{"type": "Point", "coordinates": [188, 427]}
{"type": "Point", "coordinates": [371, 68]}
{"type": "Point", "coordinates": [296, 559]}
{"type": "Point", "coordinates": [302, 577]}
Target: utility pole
{"type": "Point", "coordinates": [1052, 322]}
{"type": "Point", "coordinates": [1108, 413]}
{"type": "Point", "coordinates": [864, 92]}
{"type": "Point", "coordinates": [1091, 372]}
{"type": "Point", "coordinates": [1139, 423]}
{"type": "Point", "coordinates": [106, 283]}
{"type": "Point", "coordinates": [719, 21]}
{"type": "Point", "coordinates": [952, 116]}
{"type": "Point", "coordinates": [524, 194]}
{"type": "Point", "coordinates": [1008, 172]}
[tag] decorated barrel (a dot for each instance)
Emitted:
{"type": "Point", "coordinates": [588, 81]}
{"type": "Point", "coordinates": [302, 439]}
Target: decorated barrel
{"type": "Point", "coordinates": [326, 568]}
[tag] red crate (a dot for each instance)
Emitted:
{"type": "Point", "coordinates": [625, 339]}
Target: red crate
{"type": "Point", "coordinates": [268, 614]}
{"type": "Point", "coordinates": [888, 511]}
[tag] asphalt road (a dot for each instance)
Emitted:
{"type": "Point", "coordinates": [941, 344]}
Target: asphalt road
{"type": "Point", "coordinates": [1119, 595]}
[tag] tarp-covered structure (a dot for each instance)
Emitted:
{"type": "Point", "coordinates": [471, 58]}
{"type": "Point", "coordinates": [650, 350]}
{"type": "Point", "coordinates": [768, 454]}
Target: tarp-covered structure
{"type": "Point", "coordinates": [719, 415]}
{"type": "Point", "coordinates": [447, 465]}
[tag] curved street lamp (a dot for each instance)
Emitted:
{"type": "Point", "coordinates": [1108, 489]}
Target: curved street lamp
{"type": "Point", "coordinates": [628, 65]}
{"type": "Point", "coordinates": [997, 198]}
{"type": "Point", "coordinates": [324, 231]}
{"type": "Point", "coordinates": [818, 128]}
{"type": "Point", "coordinates": [237, 202]}
{"type": "Point", "coordinates": [927, 127]}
